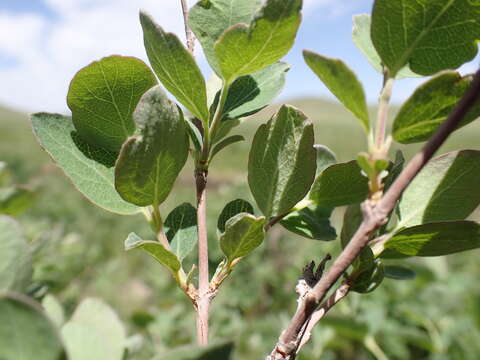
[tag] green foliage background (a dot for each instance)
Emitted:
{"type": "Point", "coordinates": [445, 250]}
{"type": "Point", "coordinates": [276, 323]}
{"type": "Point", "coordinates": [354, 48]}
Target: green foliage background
{"type": "Point", "coordinates": [79, 253]}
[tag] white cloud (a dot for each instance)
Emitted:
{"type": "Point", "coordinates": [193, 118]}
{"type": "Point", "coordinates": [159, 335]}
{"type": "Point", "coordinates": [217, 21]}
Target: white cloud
{"type": "Point", "coordinates": [48, 51]}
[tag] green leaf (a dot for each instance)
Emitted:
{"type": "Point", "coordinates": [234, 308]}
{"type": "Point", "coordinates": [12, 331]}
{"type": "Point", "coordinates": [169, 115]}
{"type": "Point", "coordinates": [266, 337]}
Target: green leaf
{"type": "Point", "coordinates": [181, 229]}
{"type": "Point", "coordinates": [352, 219]}
{"type": "Point", "coordinates": [224, 143]}
{"type": "Point", "coordinates": [195, 134]}
{"type": "Point", "coordinates": [25, 332]}
{"type": "Point", "coordinates": [156, 250]}
{"type": "Point", "coordinates": [340, 184]}
{"type": "Point", "coordinates": [15, 257]}
{"type": "Point", "coordinates": [243, 234]}
{"type": "Point", "coordinates": [361, 36]}
{"type": "Point", "coordinates": [251, 93]}
{"type": "Point", "coordinates": [369, 280]}
{"type": "Point", "coordinates": [430, 105]}
{"type": "Point", "coordinates": [15, 200]}
{"type": "Point", "coordinates": [342, 82]}
{"type": "Point", "coordinates": [436, 239]}
{"type": "Point", "coordinates": [175, 67]}
{"type": "Point", "coordinates": [397, 272]}
{"type": "Point", "coordinates": [94, 332]}
{"type": "Point", "coordinates": [312, 222]}
{"type": "Point", "coordinates": [102, 97]}
{"type": "Point", "coordinates": [429, 35]}
{"type": "Point", "coordinates": [54, 309]}
{"type": "Point", "coordinates": [325, 158]}
{"type": "Point", "coordinates": [445, 190]}
{"type": "Point", "coordinates": [149, 164]}
{"type": "Point", "coordinates": [212, 352]}
{"type": "Point", "coordinates": [224, 129]}
{"type": "Point", "coordinates": [282, 161]}
{"type": "Point", "coordinates": [208, 19]}
{"type": "Point", "coordinates": [243, 50]}
{"type": "Point", "coordinates": [394, 170]}
{"type": "Point", "coordinates": [58, 137]}
{"type": "Point", "coordinates": [233, 208]}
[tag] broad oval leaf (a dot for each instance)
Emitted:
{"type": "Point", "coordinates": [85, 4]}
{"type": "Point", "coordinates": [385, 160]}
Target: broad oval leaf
{"type": "Point", "coordinates": [445, 190]}
{"type": "Point", "coordinates": [397, 272]}
{"type": "Point", "coordinates": [361, 36]}
{"type": "Point", "coordinates": [243, 234]}
{"type": "Point", "coordinates": [352, 219]}
{"type": "Point", "coordinates": [25, 332]}
{"type": "Point", "coordinates": [149, 164]}
{"type": "Point", "coordinates": [233, 208]}
{"type": "Point", "coordinates": [208, 19]}
{"type": "Point", "coordinates": [251, 93]}
{"type": "Point", "coordinates": [15, 257]}
{"type": "Point", "coordinates": [94, 332]}
{"type": "Point", "coordinates": [54, 309]}
{"type": "Point", "coordinates": [175, 67]}
{"type": "Point", "coordinates": [429, 35]}
{"type": "Point", "coordinates": [221, 351]}
{"type": "Point", "coordinates": [181, 229]}
{"type": "Point", "coordinates": [282, 162]}
{"type": "Point", "coordinates": [325, 158]}
{"type": "Point", "coordinates": [312, 222]}
{"type": "Point", "coordinates": [342, 82]}
{"type": "Point", "coordinates": [243, 50]}
{"type": "Point", "coordinates": [15, 200]}
{"type": "Point", "coordinates": [430, 105]}
{"type": "Point", "coordinates": [156, 250]}
{"type": "Point", "coordinates": [102, 97]}
{"type": "Point", "coordinates": [340, 184]}
{"type": "Point", "coordinates": [90, 168]}
{"type": "Point", "coordinates": [370, 279]}
{"type": "Point", "coordinates": [436, 239]}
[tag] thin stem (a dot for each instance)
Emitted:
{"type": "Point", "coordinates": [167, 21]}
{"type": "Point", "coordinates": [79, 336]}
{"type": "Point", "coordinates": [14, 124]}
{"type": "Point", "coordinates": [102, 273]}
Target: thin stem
{"type": "Point", "coordinates": [375, 215]}
{"type": "Point", "coordinates": [158, 225]}
{"type": "Point", "coordinates": [203, 302]}
{"type": "Point", "coordinates": [382, 116]}
{"type": "Point", "coordinates": [188, 31]}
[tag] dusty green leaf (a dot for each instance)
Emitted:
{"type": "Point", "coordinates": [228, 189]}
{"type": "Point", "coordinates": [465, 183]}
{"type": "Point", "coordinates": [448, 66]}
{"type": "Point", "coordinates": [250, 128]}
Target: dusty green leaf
{"type": "Point", "coordinates": [208, 19]}
{"type": "Point", "coordinates": [430, 105]}
{"type": "Point", "coordinates": [325, 158]}
{"type": "Point", "coordinates": [54, 310]}
{"type": "Point", "coordinates": [15, 257]}
{"type": "Point", "coordinates": [156, 250]}
{"type": "Point", "coordinates": [89, 168]}
{"type": "Point", "coordinates": [102, 97]}
{"type": "Point", "coordinates": [342, 82]}
{"type": "Point", "coordinates": [195, 134]}
{"type": "Point", "coordinates": [429, 35]}
{"type": "Point", "coordinates": [233, 208]}
{"type": "Point", "coordinates": [25, 332]}
{"type": "Point", "coordinates": [397, 272]}
{"type": "Point", "coordinates": [251, 93]}
{"type": "Point", "coordinates": [243, 234]}
{"type": "Point", "coordinates": [149, 163]}
{"type": "Point", "coordinates": [282, 161]}
{"type": "Point", "coordinates": [224, 143]}
{"type": "Point", "coordinates": [394, 169]}
{"type": "Point", "coordinates": [436, 239]}
{"type": "Point", "coordinates": [94, 332]}
{"type": "Point", "coordinates": [445, 190]}
{"type": "Point", "coordinates": [361, 36]}
{"type": "Point", "coordinates": [221, 351]}
{"type": "Point", "coordinates": [181, 229]}
{"type": "Point", "coordinates": [369, 279]}
{"type": "Point", "coordinates": [340, 184]}
{"type": "Point", "coordinates": [15, 200]}
{"type": "Point", "coordinates": [312, 222]}
{"type": "Point", "coordinates": [352, 219]}
{"type": "Point", "coordinates": [175, 67]}
{"type": "Point", "coordinates": [243, 49]}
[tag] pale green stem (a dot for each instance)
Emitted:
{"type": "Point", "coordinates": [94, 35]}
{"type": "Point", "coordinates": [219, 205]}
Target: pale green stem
{"type": "Point", "coordinates": [382, 115]}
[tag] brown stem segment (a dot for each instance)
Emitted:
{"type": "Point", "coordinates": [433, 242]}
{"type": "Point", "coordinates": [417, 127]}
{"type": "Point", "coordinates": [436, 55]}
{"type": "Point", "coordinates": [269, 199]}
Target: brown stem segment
{"type": "Point", "coordinates": [203, 301]}
{"type": "Point", "coordinates": [375, 214]}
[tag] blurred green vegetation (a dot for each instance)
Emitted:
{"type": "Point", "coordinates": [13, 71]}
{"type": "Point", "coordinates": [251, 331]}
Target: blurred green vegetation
{"type": "Point", "coordinates": [79, 253]}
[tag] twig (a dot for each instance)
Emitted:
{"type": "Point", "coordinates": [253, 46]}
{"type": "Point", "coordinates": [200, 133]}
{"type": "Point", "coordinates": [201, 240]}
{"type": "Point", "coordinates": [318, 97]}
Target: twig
{"type": "Point", "coordinates": [374, 216]}
{"type": "Point", "coordinates": [203, 301]}
{"type": "Point", "coordinates": [188, 31]}
{"type": "Point", "coordinates": [383, 112]}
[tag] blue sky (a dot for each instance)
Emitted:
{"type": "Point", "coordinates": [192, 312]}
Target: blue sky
{"type": "Point", "coordinates": [44, 42]}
